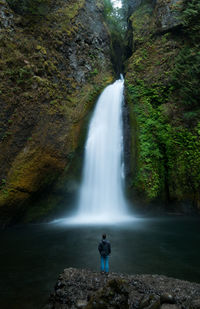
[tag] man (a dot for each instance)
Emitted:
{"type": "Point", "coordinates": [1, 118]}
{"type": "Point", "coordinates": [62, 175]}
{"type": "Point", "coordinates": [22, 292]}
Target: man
{"type": "Point", "coordinates": [104, 250]}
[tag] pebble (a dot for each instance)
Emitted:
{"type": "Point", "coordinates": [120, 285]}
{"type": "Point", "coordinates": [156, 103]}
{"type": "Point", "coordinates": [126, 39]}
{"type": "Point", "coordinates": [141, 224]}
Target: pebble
{"type": "Point", "coordinates": [81, 303]}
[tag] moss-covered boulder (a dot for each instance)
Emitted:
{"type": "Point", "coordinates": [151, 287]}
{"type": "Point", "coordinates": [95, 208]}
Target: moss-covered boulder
{"type": "Point", "coordinates": [113, 295]}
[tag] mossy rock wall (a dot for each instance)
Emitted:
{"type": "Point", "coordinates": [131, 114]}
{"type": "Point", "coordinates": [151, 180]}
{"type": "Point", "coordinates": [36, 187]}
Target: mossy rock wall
{"type": "Point", "coordinates": [162, 95]}
{"type": "Point", "coordinates": [52, 68]}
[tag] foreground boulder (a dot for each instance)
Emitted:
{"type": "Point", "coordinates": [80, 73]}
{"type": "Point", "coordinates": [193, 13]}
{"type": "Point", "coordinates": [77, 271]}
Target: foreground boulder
{"type": "Point", "coordinates": [91, 290]}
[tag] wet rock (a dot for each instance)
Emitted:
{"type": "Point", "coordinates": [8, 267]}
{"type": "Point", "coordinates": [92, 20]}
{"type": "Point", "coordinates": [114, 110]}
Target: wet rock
{"type": "Point", "coordinates": [195, 304]}
{"type": "Point", "coordinates": [81, 304]}
{"type": "Point", "coordinates": [91, 290]}
{"type": "Point", "coordinates": [170, 306]}
{"type": "Point", "coordinates": [113, 295]}
{"type": "Point", "coordinates": [154, 305]}
{"type": "Point", "coordinates": [6, 16]}
{"type": "Point", "coordinates": [150, 302]}
{"type": "Point", "coordinates": [167, 14]}
{"type": "Point", "coordinates": [144, 302]}
{"type": "Point", "coordinates": [167, 298]}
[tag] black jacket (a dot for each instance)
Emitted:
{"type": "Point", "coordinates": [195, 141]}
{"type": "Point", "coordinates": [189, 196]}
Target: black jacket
{"type": "Point", "coordinates": [104, 248]}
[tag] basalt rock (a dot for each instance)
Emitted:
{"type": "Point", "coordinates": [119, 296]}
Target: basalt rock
{"type": "Point", "coordinates": [113, 295]}
{"type": "Point", "coordinates": [90, 290]}
{"type": "Point", "coordinates": [168, 14]}
{"type": "Point", "coordinates": [6, 16]}
{"type": "Point", "coordinates": [195, 304]}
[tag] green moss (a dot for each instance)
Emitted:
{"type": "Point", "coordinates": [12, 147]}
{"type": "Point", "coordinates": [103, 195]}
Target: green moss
{"type": "Point", "coordinates": [149, 168]}
{"type": "Point", "coordinates": [114, 289]}
{"type": "Point", "coordinates": [161, 84]}
{"type": "Point", "coordinates": [37, 92]}
{"type": "Point", "coordinates": [142, 23]}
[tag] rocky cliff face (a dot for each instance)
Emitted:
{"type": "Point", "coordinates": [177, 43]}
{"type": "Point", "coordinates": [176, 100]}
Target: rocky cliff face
{"type": "Point", "coordinates": [54, 62]}
{"type": "Point", "coordinates": [162, 94]}
{"type": "Point", "coordinates": [167, 14]}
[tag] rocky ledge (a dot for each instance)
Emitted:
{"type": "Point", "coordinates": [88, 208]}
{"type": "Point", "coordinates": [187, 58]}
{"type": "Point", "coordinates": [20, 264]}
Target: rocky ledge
{"type": "Point", "coordinates": [80, 288]}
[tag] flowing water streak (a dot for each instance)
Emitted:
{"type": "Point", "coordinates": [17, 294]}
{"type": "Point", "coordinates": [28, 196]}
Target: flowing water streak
{"type": "Point", "coordinates": [101, 197]}
{"type": "Point", "coordinates": [116, 3]}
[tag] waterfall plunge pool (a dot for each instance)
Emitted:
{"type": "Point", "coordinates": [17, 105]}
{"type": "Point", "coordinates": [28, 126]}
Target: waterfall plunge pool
{"type": "Point", "coordinates": [96, 219]}
{"type": "Point", "coordinates": [32, 256]}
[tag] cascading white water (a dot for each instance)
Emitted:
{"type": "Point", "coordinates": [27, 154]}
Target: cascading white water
{"type": "Point", "coordinates": [101, 194]}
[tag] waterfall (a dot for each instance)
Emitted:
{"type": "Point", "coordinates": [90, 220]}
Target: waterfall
{"type": "Point", "coordinates": [101, 197]}
{"type": "Point", "coordinates": [116, 3]}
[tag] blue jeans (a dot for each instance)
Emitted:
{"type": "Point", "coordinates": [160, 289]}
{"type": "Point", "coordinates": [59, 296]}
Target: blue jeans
{"type": "Point", "coordinates": [104, 264]}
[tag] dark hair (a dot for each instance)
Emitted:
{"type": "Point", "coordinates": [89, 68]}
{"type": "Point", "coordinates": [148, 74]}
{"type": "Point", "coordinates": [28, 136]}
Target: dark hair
{"type": "Point", "coordinates": [104, 236]}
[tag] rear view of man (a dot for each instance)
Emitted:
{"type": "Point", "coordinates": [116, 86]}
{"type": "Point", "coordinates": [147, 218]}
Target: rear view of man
{"type": "Point", "coordinates": [104, 250]}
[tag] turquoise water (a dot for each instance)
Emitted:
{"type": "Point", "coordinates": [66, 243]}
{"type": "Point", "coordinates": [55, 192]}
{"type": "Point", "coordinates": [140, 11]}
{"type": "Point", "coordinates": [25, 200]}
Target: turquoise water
{"type": "Point", "coordinates": [32, 256]}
